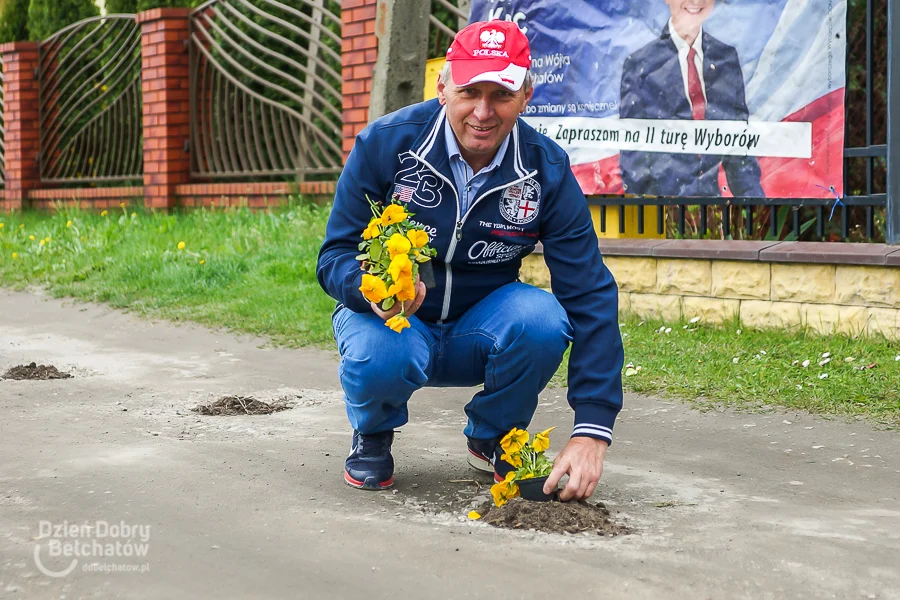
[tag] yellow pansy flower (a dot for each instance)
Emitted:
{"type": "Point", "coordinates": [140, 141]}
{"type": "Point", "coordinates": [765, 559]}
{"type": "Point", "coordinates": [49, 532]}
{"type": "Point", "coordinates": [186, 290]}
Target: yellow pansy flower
{"type": "Point", "coordinates": [514, 459]}
{"type": "Point", "coordinates": [373, 230]}
{"type": "Point", "coordinates": [542, 440]}
{"type": "Point", "coordinates": [404, 290]}
{"type": "Point", "coordinates": [393, 214]}
{"type": "Point", "coordinates": [373, 288]}
{"type": "Point", "coordinates": [417, 237]}
{"type": "Point", "coordinates": [400, 268]}
{"type": "Point", "coordinates": [505, 491]}
{"type": "Point", "coordinates": [398, 245]}
{"type": "Point", "coordinates": [514, 441]}
{"type": "Point", "coordinates": [397, 323]}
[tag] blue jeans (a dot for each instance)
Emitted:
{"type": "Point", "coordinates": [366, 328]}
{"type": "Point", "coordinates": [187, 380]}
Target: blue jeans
{"type": "Point", "coordinates": [512, 341]}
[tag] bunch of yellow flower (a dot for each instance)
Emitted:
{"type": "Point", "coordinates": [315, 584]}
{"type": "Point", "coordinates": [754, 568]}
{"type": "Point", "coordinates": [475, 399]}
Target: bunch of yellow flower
{"type": "Point", "coordinates": [392, 250]}
{"type": "Point", "coordinates": [528, 458]}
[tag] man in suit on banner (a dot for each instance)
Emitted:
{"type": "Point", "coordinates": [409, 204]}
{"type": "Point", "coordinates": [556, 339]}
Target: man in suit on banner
{"type": "Point", "coordinates": [685, 74]}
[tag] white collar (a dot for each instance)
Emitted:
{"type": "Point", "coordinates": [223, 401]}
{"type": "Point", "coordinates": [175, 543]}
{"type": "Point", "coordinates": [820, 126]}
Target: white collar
{"type": "Point", "coordinates": [682, 46]}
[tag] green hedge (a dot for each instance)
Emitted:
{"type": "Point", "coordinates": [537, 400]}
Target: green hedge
{"type": "Point", "coordinates": [13, 20]}
{"type": "Point", "coordinates": [46, 17]}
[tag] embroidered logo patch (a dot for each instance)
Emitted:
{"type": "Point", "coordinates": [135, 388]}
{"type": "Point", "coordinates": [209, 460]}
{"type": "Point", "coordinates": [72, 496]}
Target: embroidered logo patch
{"type": "Point", "coordinates": [521, 203]}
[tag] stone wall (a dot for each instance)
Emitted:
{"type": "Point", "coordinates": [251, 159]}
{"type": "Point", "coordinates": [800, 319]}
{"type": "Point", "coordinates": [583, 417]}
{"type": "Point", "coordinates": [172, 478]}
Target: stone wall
{"type": "Point", "coordinates": [850, 289]}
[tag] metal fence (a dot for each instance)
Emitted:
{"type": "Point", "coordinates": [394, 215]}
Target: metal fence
{"type": "Point", "coordinates": [265, 89]}
{"type": "Point", "coordinates": [90, 102]}
{"type": "Point", "coordinates": [446, 18]}
{"type": "Point", "coordinates": [861, 214]}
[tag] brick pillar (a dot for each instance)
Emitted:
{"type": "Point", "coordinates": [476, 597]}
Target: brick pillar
{"type": "Point", "coordinates": [166, 91]}
{"type": "Point", "coordinates": [20, 95]}
{"type": "Point", "coordinates": [359, 49]}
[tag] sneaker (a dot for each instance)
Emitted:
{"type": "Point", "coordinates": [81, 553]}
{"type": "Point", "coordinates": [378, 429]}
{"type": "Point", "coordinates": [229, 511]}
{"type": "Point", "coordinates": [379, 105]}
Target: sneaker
{"type": "Point", "coordinates": [484, 455]}
{"type": "Point", "coordinates": [370, 465]}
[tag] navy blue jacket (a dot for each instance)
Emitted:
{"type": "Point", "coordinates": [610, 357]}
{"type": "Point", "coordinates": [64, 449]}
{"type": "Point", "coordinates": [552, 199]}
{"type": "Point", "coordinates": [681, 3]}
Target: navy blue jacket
{"type": "Point", "coordinates": [532, 197]}
{"type": "Point", "coordinates": [653, 88]}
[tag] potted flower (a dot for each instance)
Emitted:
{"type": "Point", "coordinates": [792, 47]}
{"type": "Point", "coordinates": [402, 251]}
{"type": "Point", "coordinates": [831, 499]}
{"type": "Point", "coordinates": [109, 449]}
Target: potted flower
{"type": "Point", "coordinates": [532, 467]}
{"type": "Point", "coordinates": [394, 253]}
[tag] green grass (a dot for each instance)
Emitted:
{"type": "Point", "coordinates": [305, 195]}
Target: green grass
{"type": "Point", "coordinates": [258, 276]}
{"type": "Point", "coordinates": [715, 365]}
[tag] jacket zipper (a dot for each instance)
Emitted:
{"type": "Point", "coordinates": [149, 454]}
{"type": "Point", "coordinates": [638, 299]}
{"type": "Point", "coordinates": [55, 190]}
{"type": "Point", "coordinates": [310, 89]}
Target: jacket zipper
{"type": "Point", "coordinates": [457, 232]}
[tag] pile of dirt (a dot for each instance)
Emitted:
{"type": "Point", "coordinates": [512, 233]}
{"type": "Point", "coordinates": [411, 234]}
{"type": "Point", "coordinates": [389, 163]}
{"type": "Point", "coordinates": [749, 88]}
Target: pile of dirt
{"type": "Point", "coordinates": [34, 371]}
{"type": "Point", "coordinates": [243, 405]}
{"type": "Point", "coordinates": [554, 517]}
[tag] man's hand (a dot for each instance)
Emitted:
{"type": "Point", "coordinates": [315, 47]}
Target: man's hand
{"type": "Point", "coordinates": [582, 459]}
{"type": "Point", "coordinates": [411, 306]}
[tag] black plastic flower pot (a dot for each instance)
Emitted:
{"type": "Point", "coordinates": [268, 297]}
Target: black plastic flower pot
{"type": "Point", "coordinates": [533, 489]}
{"type": "Point", "coordinates": [426, 274]}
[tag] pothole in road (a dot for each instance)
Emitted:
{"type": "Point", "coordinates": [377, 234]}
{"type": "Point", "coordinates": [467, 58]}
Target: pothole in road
{"type": "Point", "coordinates": [232, 405]}
{"type": "Point", "coordinates": [554, 517]}
{"type": "Point", "coordinates": [34, 371]}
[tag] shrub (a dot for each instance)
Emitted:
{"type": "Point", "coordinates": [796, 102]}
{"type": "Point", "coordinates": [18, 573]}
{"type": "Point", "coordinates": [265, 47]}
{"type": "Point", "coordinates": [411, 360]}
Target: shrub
{"type": "Point", "coordinates": [13, 20]}
{"type": "Point", "coordinates": [46, 17]}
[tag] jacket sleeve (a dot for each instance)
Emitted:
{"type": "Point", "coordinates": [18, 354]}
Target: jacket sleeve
{"type": "Point", "coordinates": [587, 291]}
{"type": "Point", "coordinates": [337, 269]}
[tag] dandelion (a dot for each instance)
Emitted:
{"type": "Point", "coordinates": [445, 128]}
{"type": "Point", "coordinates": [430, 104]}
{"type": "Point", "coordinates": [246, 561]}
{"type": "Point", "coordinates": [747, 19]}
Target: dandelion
{"type": "Point", "coordinates": [134, 215]}
{"type": "Point", "coordinates": [104, 213]}
{"type": "Point", "coordinates": [68, 223]}
{"type": "Point", "coordinates": [31, 237]}
{"type": "Point", "coordinates": [43, 242]}
{"type": "Point", "coordinates": [474, 515]}
{"type": "Point", "coordinates": [181, 245]}
{"type": "Point", "coordinates": [22, 226]}
{"type": "Point", "coordinates": [202, 262]}
{"type": "Point", "coordinates": [1, 225]}
{"type": "Point", "coordinates": [121, 205]}
{"type": "Point", "coordinates": [15, 255]}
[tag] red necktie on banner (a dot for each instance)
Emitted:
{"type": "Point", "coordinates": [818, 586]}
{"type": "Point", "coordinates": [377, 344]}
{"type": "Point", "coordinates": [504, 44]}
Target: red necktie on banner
{"type": "Point", "coordinates": [695, 90]}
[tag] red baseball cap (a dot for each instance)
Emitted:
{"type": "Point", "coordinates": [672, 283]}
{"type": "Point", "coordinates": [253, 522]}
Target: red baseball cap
{"type": "Point", "coordinates": [495, 51]}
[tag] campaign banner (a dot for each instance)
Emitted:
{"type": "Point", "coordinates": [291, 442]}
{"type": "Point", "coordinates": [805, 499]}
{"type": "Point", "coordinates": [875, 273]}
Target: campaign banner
{"type": "Point", "coordinates": [689, 97]}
